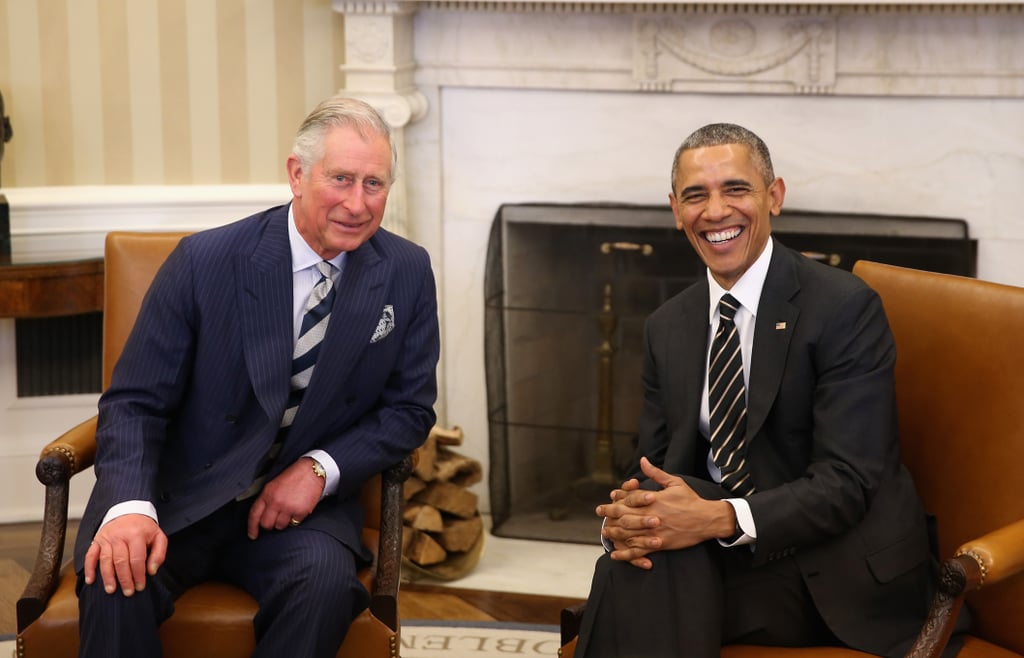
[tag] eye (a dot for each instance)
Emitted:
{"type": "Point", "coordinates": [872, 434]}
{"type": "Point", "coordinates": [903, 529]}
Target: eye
{"type": "Point", "coordinates": [737, 190]}
{"type": "Point", "coordinates": [374, 185]}
{"type": "Point", "coordinates": [693, 197]}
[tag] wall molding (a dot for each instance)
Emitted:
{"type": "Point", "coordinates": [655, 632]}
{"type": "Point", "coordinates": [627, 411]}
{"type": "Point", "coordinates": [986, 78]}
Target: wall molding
{"type": "Point", "coordinates": [66, 222]}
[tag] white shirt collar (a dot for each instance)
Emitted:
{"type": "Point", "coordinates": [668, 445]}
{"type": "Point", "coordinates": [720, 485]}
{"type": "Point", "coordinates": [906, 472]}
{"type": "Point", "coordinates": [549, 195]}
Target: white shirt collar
{"type": "Point", "coordinates": [303, 256]}
{"type": "Point", "coordinates": [747, 290]}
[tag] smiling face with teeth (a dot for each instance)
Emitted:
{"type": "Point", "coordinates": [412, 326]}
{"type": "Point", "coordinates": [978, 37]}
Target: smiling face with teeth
{"type": "Point", "coordinates": [722, 202]}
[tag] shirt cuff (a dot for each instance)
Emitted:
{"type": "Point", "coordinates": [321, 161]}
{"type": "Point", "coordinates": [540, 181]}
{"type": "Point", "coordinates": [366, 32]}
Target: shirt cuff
{"type": "Point", "coordinates": [331, 467]}
{"type": "Point", "coordinates": [131, 507]}
{"type": "Point", "coordinates": [607, 543]}
{"type": "Point", "coordinates": [745, 521]}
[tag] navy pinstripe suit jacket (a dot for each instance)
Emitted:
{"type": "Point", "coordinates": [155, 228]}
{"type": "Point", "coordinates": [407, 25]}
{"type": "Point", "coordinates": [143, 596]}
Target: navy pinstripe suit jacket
{"type": "Point", "coordinates": [198, 393]}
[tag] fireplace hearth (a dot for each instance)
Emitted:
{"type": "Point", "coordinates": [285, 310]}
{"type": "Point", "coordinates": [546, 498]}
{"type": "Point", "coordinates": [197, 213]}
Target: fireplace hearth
{"type": "Point", "coordinates": [567, 289]}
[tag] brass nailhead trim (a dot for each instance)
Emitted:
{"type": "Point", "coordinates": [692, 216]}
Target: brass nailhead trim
{"type": "Point", "coordinates": [981, 564]}
{"type": "Point", "coordinates": [67, 452]}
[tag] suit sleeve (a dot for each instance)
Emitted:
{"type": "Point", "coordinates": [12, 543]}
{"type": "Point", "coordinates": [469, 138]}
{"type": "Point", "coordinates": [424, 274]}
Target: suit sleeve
{"type": "Point", "coordinates": [147, 386]}
{"type": "Point", "coordinates": [848, 442]}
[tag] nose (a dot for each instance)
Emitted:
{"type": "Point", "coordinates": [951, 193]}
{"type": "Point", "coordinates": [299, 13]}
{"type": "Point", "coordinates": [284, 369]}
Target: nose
{"type": "Point", "coordinates": [717, 206]}
{"type": "Point", "coordinates": [353, 201]}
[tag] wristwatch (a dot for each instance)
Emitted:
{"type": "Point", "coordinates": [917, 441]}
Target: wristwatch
{"type": "Point", "coordinates": [318, 468]}
{"type": "Point", "coordinates": [736, 534]}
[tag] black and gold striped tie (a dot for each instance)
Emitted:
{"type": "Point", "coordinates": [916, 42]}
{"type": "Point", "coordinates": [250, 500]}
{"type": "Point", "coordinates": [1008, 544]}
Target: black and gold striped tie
{"type": "Point", "coordinates": [727, 402]}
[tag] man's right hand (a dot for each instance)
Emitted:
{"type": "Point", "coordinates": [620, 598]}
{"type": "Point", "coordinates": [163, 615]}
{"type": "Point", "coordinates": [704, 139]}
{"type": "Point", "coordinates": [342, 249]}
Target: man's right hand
{"type": "Point", "coordinates": [126, 549]}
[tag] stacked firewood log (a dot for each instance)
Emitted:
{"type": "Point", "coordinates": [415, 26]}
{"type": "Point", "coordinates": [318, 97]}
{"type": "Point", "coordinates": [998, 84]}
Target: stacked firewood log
{"type": "Point", "coordinates": [443, 532]}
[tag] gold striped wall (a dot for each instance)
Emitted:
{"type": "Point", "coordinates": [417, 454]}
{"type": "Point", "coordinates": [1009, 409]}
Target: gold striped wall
{"type": "Point", "coordinates": [161, 92]}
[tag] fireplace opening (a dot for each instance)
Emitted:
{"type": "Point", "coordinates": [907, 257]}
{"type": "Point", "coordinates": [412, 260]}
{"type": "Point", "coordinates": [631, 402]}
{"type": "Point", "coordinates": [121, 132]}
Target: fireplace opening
{"type": "Point", "coordinates": [567, 290]}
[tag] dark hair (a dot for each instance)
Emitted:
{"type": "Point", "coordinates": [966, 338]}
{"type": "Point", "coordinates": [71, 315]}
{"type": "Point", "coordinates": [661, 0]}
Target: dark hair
{"type": "Point", "coordinates": [718, 134]}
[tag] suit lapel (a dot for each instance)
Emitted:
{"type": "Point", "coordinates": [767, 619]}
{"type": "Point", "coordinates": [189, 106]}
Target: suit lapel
{"type": "Point", "coordinates": [688, 345]}
{"type": "Point", "coordinates": [776, 322]}
{"type": "Point", "coordinates": [265, 279]}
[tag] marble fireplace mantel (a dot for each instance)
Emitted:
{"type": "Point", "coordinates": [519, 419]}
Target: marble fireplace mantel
{"type": "Point", "coordinates": [399, 54]}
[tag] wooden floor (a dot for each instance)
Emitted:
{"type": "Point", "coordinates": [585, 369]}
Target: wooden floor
{"type": "Point", "coordinates": [18, 543]}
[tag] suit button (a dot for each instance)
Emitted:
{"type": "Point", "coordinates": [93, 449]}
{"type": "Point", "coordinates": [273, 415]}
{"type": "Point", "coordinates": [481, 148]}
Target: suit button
{"type": "Point", "coordinates": [165, 496]}
{"type": "Point", "coordinates": [231, 418]}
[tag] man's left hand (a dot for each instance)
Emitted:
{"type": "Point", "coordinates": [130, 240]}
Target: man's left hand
{"type": "Point", "coordinates": [640, 522]}
{"type": "Point", "coordinates": [287, 499]}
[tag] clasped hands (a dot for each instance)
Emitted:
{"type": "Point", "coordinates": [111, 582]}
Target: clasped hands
{"type": "Point", "coordinates": [128, 548]}
{"type": "Point", "coordinates": [639, 522]}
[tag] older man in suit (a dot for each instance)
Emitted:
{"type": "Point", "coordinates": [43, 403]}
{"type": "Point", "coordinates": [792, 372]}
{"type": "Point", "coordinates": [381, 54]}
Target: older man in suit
{"type": "Point", "coordinates": [781, 515]}
{"type": "Point", "coordinates": [233, 440]}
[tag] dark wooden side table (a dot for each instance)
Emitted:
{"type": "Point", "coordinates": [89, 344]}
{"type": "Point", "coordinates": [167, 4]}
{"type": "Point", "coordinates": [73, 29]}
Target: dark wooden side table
{"type": "Point", "coordinates": [34, 287]}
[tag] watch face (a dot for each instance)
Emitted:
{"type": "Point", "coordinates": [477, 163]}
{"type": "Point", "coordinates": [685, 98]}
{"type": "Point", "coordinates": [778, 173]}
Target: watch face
{"type": "Point", "coordinates": [319, 469]}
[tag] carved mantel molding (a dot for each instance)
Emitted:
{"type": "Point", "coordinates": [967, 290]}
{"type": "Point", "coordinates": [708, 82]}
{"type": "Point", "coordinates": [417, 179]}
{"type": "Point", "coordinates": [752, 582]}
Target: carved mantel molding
{"type": "Point", "coordinates": [639, 6]}
{"type": "Point", "coordinates": [869, 48]}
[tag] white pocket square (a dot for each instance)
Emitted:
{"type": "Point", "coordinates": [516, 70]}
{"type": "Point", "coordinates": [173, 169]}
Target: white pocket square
{"type": "Point", "coordinates": [385, 324]}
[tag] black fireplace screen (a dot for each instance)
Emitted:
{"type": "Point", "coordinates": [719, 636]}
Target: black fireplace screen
{"type": "Point", "coordinates": [567, 289]}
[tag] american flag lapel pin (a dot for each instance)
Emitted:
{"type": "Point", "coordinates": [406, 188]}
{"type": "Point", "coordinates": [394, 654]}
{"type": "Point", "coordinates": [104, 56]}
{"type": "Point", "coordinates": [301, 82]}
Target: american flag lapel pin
{"type": "Point", "coordinates": [780, 326]}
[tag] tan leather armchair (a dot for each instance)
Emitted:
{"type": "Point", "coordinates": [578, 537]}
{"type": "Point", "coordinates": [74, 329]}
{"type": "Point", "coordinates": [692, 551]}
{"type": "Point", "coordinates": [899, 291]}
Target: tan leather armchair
{"type": "Point", "coordinates": [960, 395]}
{"type": "Point", "coordinates": [214, 619]}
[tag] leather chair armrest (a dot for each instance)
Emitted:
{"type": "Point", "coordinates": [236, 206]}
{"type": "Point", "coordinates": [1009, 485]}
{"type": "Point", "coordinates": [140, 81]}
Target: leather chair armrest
{"type": "Point", "coordinates": [993, 557]}
{"type": "Point", "coordinates": [384, 597]}
{"type": "Point", "coordinates": [71, 453]}
{"type": "Point", "coordinates": [999, 553]}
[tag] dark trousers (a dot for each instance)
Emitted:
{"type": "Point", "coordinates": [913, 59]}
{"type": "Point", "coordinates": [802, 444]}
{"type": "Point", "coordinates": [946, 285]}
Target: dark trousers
{"type": "Point", "coordinates": [304, 581]}
{"type": "Point", "coordinates": [695, 600]}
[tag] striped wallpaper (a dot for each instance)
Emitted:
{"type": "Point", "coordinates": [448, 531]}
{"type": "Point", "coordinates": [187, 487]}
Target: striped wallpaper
{"type": "Point", "coordinates": [155, 92]}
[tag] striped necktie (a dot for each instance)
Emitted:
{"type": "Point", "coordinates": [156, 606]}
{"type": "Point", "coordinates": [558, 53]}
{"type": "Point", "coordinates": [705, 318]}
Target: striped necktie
{"type": "Point", "coordinates": [727, 402]}
{"type": "Point", "coordinates": [316, 314]}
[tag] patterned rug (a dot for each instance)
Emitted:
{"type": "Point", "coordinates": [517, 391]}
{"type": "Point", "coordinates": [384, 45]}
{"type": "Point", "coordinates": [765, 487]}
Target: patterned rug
{"type": "Point", "coordinates": [439, 639]}
{"type": "Point", "coordinates": [426, 639]}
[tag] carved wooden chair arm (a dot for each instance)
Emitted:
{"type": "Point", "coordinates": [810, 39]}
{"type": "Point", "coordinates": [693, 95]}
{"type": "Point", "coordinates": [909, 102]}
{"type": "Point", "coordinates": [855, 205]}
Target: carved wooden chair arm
{"type": "Point", "coordinates": [384, 597]}
{"type": "Point", "coordinates": [570, 622]}
{"type": "Point", "coordinates": [986, 560]}
{"type": "Point", "coordinates": [71, 453]}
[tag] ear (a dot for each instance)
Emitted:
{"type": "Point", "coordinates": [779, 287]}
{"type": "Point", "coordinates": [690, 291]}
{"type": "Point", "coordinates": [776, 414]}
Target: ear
{"type": "Point", "coordinates": [777, 193]}
{"type": "Point", "coordinates": [675, 210]}
{"type": "Point", "coordinates": [294, 167]}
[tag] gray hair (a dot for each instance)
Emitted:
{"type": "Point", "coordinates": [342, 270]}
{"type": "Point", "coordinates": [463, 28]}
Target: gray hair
{"type": "Point", "coordinates": [334, 112]}
{"type": "Point", "coordinates": [719, 134]}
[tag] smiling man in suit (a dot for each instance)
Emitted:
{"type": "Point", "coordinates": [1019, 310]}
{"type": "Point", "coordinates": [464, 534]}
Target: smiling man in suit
{"type": "Point", "coordinates": [767, 503]}
{"type": "Point", "coordinates": [276, 365]}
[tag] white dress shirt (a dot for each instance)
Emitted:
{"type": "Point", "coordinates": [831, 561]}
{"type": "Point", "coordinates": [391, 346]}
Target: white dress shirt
{"type": "Point", "coordinates": [747, 291]}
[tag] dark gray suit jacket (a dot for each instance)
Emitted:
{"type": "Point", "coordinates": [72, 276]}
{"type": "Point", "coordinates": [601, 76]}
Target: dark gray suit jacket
{"type": "Point", "coordinates": [198, 393]}
{"type": "Point", "coordinates": [823, 450]}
